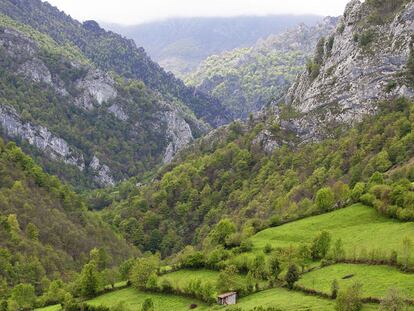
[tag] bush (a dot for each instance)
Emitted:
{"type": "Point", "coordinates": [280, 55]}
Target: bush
{"type": "Point", "coordinates": [366, 38]}
{"type": "Point", "coordinates": [324, 199]}
{"type": "Point", "coordinates": [349, 299]}
{"type": "Point", "coordinates": [292, 276]}
{"type": "Point", "coordinates": [267, 249]}
{"type": "Point", "coordinates": [320, 245]}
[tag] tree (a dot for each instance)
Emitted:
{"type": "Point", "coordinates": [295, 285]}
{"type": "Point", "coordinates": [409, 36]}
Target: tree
{"type": "Point", "coordinates": [142, 269]}
{"type": "Point", "coordinates": [227, 279]}
{"type": "Point", "coordinates": [325, 199]}
{"type": "Point", "coordinates": [147, 305]}
{"type": "Point", "coordinates": [222, 231]}
{"type": "Point", "coordinates": [393, 301]}
{"type": "Point", "coordinates": [258, 267]}
{"type": "Point", "coordinates": [349, 299]}
{"type": "Point", "coordinates": [292, 276]}
{"type": "Point", "coordinates": [274, 267]}
{"type": "Point", "coordinates": [100, 257]}
{"type": "Point", "coordinates": [89, 280]}
{"type": "Point", "coordinates": [32, 232]}
{"type": "Point", "coordinates": [23, 296]}
{"type": "Point", "coordinates": [320, 245]}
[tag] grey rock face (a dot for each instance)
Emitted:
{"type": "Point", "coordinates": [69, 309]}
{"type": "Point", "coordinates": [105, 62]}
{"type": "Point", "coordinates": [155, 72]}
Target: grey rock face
{"type": "Point", "coordinates": [40, 137]}
{"type": "Point", "coordinates": [178, 134]}
{"type": "Point", "coordinates": [36, 70]}
{"type": "Point", "coordinates": [352, 76]}
{"type": "Point", "coordinates": [118, 112]}
{"type": "Point", "coordinates": [97, 87]}
{"type": "Point", "coordinates": [266, 141]}
{"type": "Point", "coordinates": [103, 173]}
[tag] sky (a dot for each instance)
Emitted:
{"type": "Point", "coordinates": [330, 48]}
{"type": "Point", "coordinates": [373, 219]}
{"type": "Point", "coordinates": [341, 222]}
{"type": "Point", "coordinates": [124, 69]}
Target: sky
{"type": "Point", "coordinates": [129, 12]}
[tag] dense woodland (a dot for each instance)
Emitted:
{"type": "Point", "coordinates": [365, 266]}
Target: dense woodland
{"type": "Point", "coordinates": [202, 213]}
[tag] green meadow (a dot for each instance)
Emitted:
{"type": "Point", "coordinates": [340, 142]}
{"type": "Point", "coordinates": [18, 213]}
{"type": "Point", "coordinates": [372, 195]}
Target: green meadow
{"type": "Point", "coordinates": [359, 227]}
{"type": "Point", "coordinates": [375, 280]}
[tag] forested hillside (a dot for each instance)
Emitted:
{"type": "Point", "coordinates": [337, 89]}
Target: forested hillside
{"type": "Point", "coordinates": [120, 115]}
{"type": "Point", "coordinates": [180, 44]}
{"type": "Point", "coordinates": [240, 182]}
{"type": "Point", "coordinates": [111, 52]}
{"type": "Point", "coordinates": [286, 162]}
{"type": "Point", "coordinates": [46, 230]}
{"type": "Point", "coordinates": [246, 79]}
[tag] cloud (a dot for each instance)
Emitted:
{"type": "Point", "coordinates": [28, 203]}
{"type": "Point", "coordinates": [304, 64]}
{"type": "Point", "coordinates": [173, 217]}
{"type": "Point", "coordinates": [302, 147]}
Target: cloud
{"type": "Point", "coordinates": [139, 11]}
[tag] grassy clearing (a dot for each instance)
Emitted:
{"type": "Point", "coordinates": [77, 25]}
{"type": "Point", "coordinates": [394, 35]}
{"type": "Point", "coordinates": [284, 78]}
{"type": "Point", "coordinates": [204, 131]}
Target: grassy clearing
{"type": "Point", "coordinates": [358, 226]}
{"type": "Point", "coordinates": [181, 278]}
{"type": "Point", "coordinates": [50, 308]}
{"type": "Point", "coordinates": [289, 301]}
{"type": "Point", "coordinates": [376, 280]}
{"type": "Point", "coordinates": [133, 300]}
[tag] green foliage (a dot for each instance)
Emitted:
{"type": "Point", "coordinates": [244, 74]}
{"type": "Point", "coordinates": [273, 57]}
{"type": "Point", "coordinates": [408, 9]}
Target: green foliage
{"type": "Point", "coordinates": [320, 245]}
{"type": "Point", "coordinates": [34, 208]}
{"type": "Point", "coordinates": [89, 282]}
{"type": "Point", "coordinates": [209, 183]}
{"type": "Point", "coordinates": [366, 38]}
{"type": "Point", "coordinates": [292, 276]}
{"type": "Point", "coordinates": [142, 270]}
{"type": "Point", "coordinates": [147, 305]}
{"type": "Point", "coordinates": [227, 280]}
{"type": "Point", "coordinates": [393, 301]}
{"type": "Point", "coordinates": [324, 199]}
{"type": "Point", "coordinates": [349, 299]}
{"type": "Point", "coordinates": [22, 297]}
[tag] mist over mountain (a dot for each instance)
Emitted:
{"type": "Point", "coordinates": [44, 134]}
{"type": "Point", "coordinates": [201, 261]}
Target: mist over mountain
{"type": "Point", "coordinates": [180, 44]}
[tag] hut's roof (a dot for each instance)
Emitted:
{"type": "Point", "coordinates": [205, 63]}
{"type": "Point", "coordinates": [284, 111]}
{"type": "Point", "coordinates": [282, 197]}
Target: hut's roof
{"type": "Point", "coordinates": [227, 294]}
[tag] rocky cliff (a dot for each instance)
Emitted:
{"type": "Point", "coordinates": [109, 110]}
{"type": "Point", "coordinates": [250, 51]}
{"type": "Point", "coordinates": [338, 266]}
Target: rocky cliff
{"type": "Point", "coordinates": [362, 62]}
{"type": "Point", "coordinates": [107, 127]}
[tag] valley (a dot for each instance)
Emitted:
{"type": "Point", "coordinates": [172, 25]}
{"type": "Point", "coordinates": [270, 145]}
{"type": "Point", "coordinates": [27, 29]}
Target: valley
{"type": "Point", "coordinates": [278, 174]}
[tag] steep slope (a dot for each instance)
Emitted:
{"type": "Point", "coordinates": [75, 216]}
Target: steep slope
{"type": "Point", "coordinates": [364, 61]}
{"type": "Point", "coordinates": [120, 114]}
{"type": "Point", "coordinates": [280, 166]}
{"type": "Point", "coordinates": [246, 79]}
{"type": "Point", "coordinates": [180, 44]}
{"type": "Point", "coordinates": [45, 228]}
{"type": "Point", "coordinates": [109, 128]}
{"type": "Point", "coordinates": [111, 52]}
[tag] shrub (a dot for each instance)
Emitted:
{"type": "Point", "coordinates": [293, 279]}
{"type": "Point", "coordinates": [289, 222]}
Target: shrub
{"type": "Point", "coordinates": [320, 245]}
{"type": "Point", "coordinates": [147, 305]}
{"type": "Point", "coordinates": [366, 38]}
{"type": "Point", "coordinates": [267, 249]}
{"type": "Point", "coordinates": [292, 276]}
{"type": "Point", "coordinates": [324, 199]}
{"type": "Point", "coordinates": [349, 299]}
{"type": "Point", "coordinates": [393, 301]}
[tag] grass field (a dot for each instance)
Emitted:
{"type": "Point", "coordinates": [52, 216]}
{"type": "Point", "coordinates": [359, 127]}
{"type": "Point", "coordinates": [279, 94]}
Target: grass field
{"type": "Point", "coordinates": [133, 300]}
{"type": "Point", "coordinates": [358, 226]}
{"type": "Point", "coordinates": [290, 301]}
{"type": "Point", "coordinates": [376, 280]}
{"type": "Point", "coordinates": [182, 277]}
{"type": "Point", "coordinates": [50, 308]}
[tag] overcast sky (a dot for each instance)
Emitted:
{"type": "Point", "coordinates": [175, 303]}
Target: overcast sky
{"type": "Point", "coordinates": [139, 11]}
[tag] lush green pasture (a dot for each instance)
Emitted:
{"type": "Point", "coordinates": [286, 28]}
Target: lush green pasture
{"type": "Point", "coordinates": [289, 301]}
{"type": "Point", "coordinates": [133, 300]}
{"type": "Point", "coordinates": [376, 280]}
{"type": "Point", "coordinates": [181, 278]}
{"type": "Point", "coordinates": [50, 308]}
{"type": "Point", "coordinates": [358, 226]}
